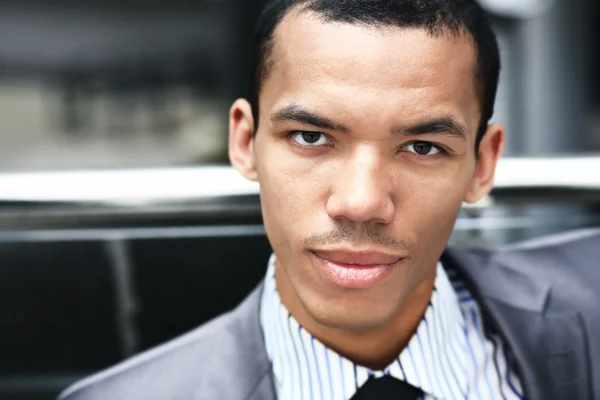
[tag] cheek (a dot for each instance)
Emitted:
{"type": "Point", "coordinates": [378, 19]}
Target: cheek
{"type": "Point", "coordinates": [430, 209]}
{"type": "Point", "coordinates": [292, 196]}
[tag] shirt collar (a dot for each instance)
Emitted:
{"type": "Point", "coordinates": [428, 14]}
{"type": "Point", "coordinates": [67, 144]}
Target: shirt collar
{"type": "Point", "coordinates": [305, 368]}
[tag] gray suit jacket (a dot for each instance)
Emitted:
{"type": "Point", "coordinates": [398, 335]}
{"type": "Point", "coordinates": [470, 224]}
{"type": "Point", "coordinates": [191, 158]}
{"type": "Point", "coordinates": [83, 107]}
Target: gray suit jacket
{"type": "Point", "coordinates": [542, 296]}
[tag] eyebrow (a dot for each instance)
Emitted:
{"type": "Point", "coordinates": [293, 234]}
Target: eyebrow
{"type": "Point", "coordinates": [442, 126]}
{"type": "Point", "coordinates": [297, 113]}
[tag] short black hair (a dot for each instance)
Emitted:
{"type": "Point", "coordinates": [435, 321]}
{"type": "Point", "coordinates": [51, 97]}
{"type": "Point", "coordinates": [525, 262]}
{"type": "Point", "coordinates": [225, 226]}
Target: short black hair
{"type": "Point", "coordinates": [436, 16]}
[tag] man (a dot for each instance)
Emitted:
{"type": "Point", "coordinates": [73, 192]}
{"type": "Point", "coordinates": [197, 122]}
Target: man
{"type": "Point", "coordinates": [367, 128]}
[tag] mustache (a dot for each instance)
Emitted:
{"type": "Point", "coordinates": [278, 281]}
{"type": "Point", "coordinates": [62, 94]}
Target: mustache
{"type": "Point", "coordinates": [367, 234]}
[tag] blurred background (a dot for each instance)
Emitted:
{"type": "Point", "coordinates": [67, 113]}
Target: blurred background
{"type": "Point", "coordinates": [118, 210]}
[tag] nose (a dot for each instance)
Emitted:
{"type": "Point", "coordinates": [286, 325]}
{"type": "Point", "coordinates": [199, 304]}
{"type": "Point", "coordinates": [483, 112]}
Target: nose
{"type": "Point", "coordinates": [361, 192]}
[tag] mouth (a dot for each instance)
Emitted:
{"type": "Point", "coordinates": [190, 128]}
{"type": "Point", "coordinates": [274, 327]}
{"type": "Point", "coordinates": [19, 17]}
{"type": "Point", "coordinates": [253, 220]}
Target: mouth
{"type": "Point", "coordinates": [357, 270]}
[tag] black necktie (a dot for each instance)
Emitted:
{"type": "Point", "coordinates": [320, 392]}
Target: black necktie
{"type": "Point", "coordinates": [387, 388]}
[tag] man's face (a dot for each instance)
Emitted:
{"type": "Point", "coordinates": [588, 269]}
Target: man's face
{"type": "Point", "coordinates": [364, 154]}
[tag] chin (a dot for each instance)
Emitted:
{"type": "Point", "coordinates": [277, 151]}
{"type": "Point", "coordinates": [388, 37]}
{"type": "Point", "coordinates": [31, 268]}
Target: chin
{"type": "Point", "coordinates": [348, 314]}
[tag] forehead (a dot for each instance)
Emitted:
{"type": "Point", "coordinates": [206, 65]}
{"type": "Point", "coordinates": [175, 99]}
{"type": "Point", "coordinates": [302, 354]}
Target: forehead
{"type": "Point", "coordinates": [370, 68]}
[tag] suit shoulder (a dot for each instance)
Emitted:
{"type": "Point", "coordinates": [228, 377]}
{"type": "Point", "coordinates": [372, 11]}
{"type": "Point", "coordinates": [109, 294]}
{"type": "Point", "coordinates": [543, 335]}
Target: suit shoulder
{"type": "Point", "coordinates": [154, 373]}
{"type": "Point", "coordinates": [566, 262]}
{"type": "Point", "coordinates": [587, 239]}
{"type": "Point", "coordinates": [569, 262]}
{"type": "Point", "coordinates": [579, 250]}
{"type": "Point", "coordinates": [197, 365]}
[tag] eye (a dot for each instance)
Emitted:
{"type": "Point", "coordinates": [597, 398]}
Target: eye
{"type": "Point", "coordinates": [310, 139]}
{"type": "Point", "coordinates": [423, 148]}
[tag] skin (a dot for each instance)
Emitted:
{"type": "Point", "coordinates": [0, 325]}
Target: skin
{"type": "Point", "coordinates": [361, 185]}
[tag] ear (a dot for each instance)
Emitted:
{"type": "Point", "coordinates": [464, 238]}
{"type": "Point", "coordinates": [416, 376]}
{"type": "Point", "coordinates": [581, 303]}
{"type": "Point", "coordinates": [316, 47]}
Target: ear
{"type": "Point", "coordinates": [241, 139]}
{"type": "Point", "coordinates": [489, 153]}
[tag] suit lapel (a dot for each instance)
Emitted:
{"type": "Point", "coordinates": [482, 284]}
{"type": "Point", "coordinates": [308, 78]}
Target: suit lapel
{"type": "Point", "coordinates": [549, 348]}
{"type": "Point", "coordinates": [253, 371]}
{"type": "Point", "coordinates": [264, 390]}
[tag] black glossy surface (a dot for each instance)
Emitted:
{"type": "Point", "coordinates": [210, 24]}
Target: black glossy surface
{"type": "Point", "coordinates": [57, 308]}
{"type": "Point", "coordinates": [181, 283]}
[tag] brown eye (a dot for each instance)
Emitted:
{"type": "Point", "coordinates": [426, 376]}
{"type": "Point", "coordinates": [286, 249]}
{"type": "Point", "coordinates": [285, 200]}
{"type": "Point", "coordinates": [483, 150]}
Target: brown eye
{"type": "Point", "coordinates": [311, 139]}
{"type": "Point", "coordinates": [422, 148]}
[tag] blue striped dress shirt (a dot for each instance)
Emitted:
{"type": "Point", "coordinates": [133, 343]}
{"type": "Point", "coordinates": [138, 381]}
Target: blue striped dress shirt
{"type": "Point", "coordinates": [449, 357]}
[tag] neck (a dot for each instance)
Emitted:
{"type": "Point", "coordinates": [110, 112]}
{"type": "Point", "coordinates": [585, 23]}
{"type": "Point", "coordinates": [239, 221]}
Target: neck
{"type": "Point", "coordinates": [375, 348]}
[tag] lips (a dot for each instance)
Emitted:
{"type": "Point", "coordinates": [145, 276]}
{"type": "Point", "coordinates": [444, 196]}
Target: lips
{"type": "Point", "coordinates": [357, 270]}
